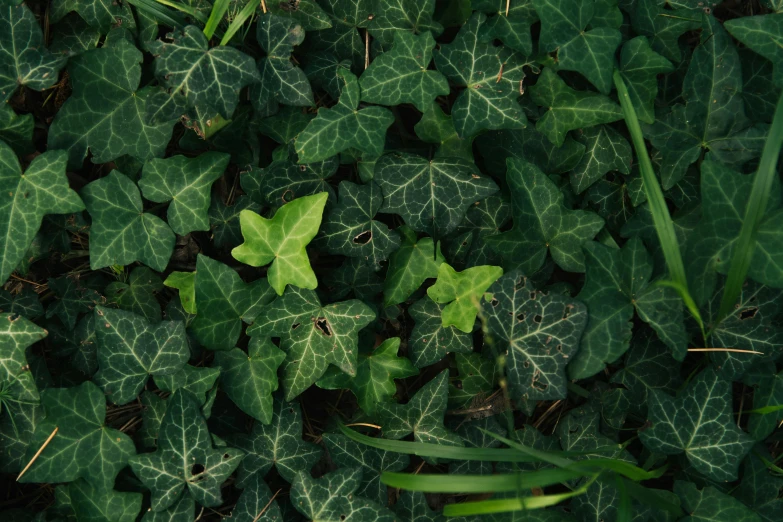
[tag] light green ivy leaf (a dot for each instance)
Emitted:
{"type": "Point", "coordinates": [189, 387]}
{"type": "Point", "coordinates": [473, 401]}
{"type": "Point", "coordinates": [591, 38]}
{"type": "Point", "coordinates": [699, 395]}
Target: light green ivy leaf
{"type": "Point", "coordinates": [185, 282]}
{"type": "Point", "coordinates": [461, 292]}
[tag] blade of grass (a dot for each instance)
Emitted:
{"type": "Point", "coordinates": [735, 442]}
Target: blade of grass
{"type": "Point", "coordinates": [236, 24]}
{"type": "Point", "coordinates": [219, 9]}
{"type": "Point", "coordinates": [624, 512]}
{"type": "Point", "coordinates": [754, 212]}
{"type": "Point", "coordinates": [479, 483]}
{"type": "Point", "coordinates": [485, 507]}
{"type": "Point", "coordinates": [664, 226]}
{"type": "Point", "coordinates": [160, 13]}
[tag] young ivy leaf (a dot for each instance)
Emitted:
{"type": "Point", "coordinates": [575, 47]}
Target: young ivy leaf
{"type": "Point", "coordinates": [422, 415]}
{"type": "Point", "coordinates": [590, 53]}
{"type": "Point", "coordinates": [130, 350]}
{"type": "Point", "coordinates": [138, 294]}
{"type": "Point", "coordinates": [84, 446]}
{"type": "Point", "coordinates": [393, 17]}
{"type": "Point", "coordinates": [185, 182]}
{"type": "Point", "coordinates": [492, 77]}
{"type": "Point", "coordinates": [617, 282]}
{"type": "Point", "coordinates": [117, 125]}
{"type": "Point", "coordinates": [344, 126]}
{"type": "Point", "coordinates": [431, 195]}
{"type": "Point", "coordinates": [312, 335]}
{"type": "Point", "coordinates": [185, 458]}
{"type": "Point", "coordinates": [374, 381]}
{"type": "Point", "coordinates": [640, 67]}
{"type": "Point", "coordinates": [512, 29]}
{"type": "Point", "coordinates": [350, 230]}
{"type": "Point", "coordinates": [713, 117]}
{"type": "Point", "coordinates": [333, 498]}
{"type": "Point", "coordinates": [24, 59]}
{"type": "Point", "coordinates": [91, 503]}
{"type": "Point", "coordinates": [224, 301]}
{"type": "Point", "coordinates": [277, 444]}
{"type": "Point", "coordinates": [401, 76]}
{"type": "Point", "coordinates": [711, 505]}
{"type": "Point", "coordinates": [121, 231]}
{"type": "Point", "coordinates": [249, 379]}
{"type": "Point", "coordinates": [282, 241]}
{"type": "Point", "coordinates": [569, 109]}
{"type": "Point", "coordinates": [26, 197]}
{"type": "Point", "coordinates": [16, 335]}
{"type": "Point", "coordinates": [542, 223]}
{"type": "Point", "coordinates": [185, 282]}
{"type": "Point", "coordinates": [281, 81]}
{"type": "Point", "coordinates": [462, 291]}
{"type": "Point", "coordinates": [430, 341]}
{"type": "Point", "coordinates": [372, 461]}
{"type": "Point", "coordinates": [410, 265]}
{"type": "Point", "coordinates": [699, 422]}
{"type": "Point", "coordinates": [538, 333]}
{"type": "Point", "coordinates": [762, 35]}
{"type": "Point", "coordinates": [196, 76]}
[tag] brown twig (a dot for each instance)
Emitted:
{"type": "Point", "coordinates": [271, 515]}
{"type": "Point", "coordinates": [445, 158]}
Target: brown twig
{"type": "Point", "coordinates": [38, 453]}
{"type": "Point", "coordinates": [508, 5]}
{"type": "Point", "coordinates": [734, 350]}
{"type": "Point", "coordinates": [366, 48]}
{"type": "Point", "coordinates": [267, 505]}
{"type": "Point", "coordinates": [263, 6]}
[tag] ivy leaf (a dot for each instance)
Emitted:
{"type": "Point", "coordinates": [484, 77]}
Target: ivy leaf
{"type": "Point", "coordinates": [762, 35]}
{"type": "Point", "coordinates": [640, 67]}
{"type": "Point", "coordinates": [83, 447]}
{"type": "Point", "coordinates": [349, 228]}
{"type": "Point", "coordinates": [477, 379]}
{"type": "Point", "coordinates": [344, 126]}
{"type": "Point", "coordinates": [617, 282]}
{"type": "Point", "coordinates": [530, 145]}
{"type": "Point", "coordinates": [412, 506]}
{"type": "Point", "coordinates": [400, 75]}
{"type": "Point", "coordinates": [16, 130]}
{"type": "Point", "coordinates": [17, 425]}
{"type": "Point", "coordinates": [342, 40]}
{"type": "Point", "coordinates": [130, 350]}
{"type": "Point", "coordinates": [432, 196]}
{"type": "Point", "coordinates": [374, 381]}
{"type": "Point", "coordinates": [312, 335]}
{"type": "Point", "coordinates": [121, 231]}
{"type": "Point", "coordinates": [699, 423]}
{"type": "Point", "coordinates": [648, 366]}
{"type": "Point", "coordinates": [395, 17]}
{"type": "Point", "coordinates": [332, 498]}
{"type": "Point", "coordinates": [117, 125]}
{"type": "Point", "coordinates": [486, 103]}
{"type": "Point", "coordinates": [277, 444]}
{"type": "Point", "coordinates": [195, 380]}
{"type": "Point", "coordinates": [410, 265]}
{"type": "Point", "coordinates": [715, 121]}
{"type": "Point", "coordinates": [224, 301]}
{"type": "Point", "coordinates": [569, 109]}
{"type": "Point", "coordinates": [430, 341]}
{"type": "Point", "coordinates": [579, 431]}
{"type": "Point", "coordinates": [513, 29]}
{"type": "Point", "coordinates": [538, 332]}
{"type": "Point", "coordinates": [590, 53]}
{"type": "Point", "coordinates": [72, 36]}
{"type": "Point", "coordinates": [605, 150]}
{"type": "Point", "coordinates": [711, 505]}
{"type": "Point", "coordinates": [196, 76]}
{"type": "Point", "coordinates": [93, 504]}
{"type": "Point", "coordinates": [185, 458]}
{"type": "Point", "coordinates": [224, 220]}
{"type": "Point", "coordinates": [185, 182]}
{"type": "Point", "coordinates": [542, 223]}
{"type": "Point", "coordinates": [307, 13]}
{"type": "Point", "coordinates": [651, 19]}
{"type": "Point", "coordinates": [24, 59]}
{"type": "Point", "coordinates": [25, 303]}
{"type": "Point", "coordinates": [281, 81]}
{"type": "Point", "coordinates": [759, 488]}
{"type": "Point", "coordinates": [100, 14]}
{"type": "Point", "coordinates": [422, 415]}
{"type": "Point", "coordinates": [73, 298]}
{"type": "Point", "coordinates": [282, 241]}
{"type": "Point", "coordinates": [185, 282]}
{"type": "Point", "coordinates": [438, 128]}
{"type": "Point", "coordinates": [16, 334]}
{"type": "Point", "coordinates": [26, 197]}
{"type": "Point", "coordinates": [725, 195]}
{"type": "Point", "coordinates": [250, 378]}
{"type": "Point", "coordinates": [256, 498]}
{"type": "Point", "coordinates": [348, 454]}
{"type": "Point", "coordinates": [767, 391]}
{"type": "Point", "coordinates": [353, 276]}
{"type": "Point", "coordinates": [461, 293]}
{"type": "Point", "coordinates": [138, 294]}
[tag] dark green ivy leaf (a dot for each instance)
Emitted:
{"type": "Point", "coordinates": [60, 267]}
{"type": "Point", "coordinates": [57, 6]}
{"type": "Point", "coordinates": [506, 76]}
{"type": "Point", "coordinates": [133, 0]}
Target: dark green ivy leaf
{"type": "Point", "coordinates": [393, 17]}
{"type": "Point", "coordinates": [762, 35]}
{"type": "Point", "coordinates": [409, 266]}
{"type": "Point", "coordinates": [513, 29]}
{"type": "Point", "coordinates": [74, 297]}
{"type": "Point", "coordinates": [138, 294]}
{"type": "Point", "coordinates": [91, 504]}
{"type": "Point", "coordinates": [605, 150]}
{"type": "Point", "coordinates": [711, 505]}
{"type": "Point", "coordinates": [430, 341]}
{"type": "Point", "coordinates": [640, 67]}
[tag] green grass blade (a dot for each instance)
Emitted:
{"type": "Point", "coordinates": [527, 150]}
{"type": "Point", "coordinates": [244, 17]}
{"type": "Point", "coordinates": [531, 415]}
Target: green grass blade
{"type": "Point", "coordinates": [236, 24]}
{"type": "Point", "coordinates": [219, 9]}
{"type": "Point", "coordinates": [664, 226]}
{"type": "Point", "coordinates": [754, 213]}
{"type": "Point", "coordinates": [624, 511]}
{"type": "Point", "coordinates": [160, 13]}
{"type": "Point", "coordinates": [435, 483]}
